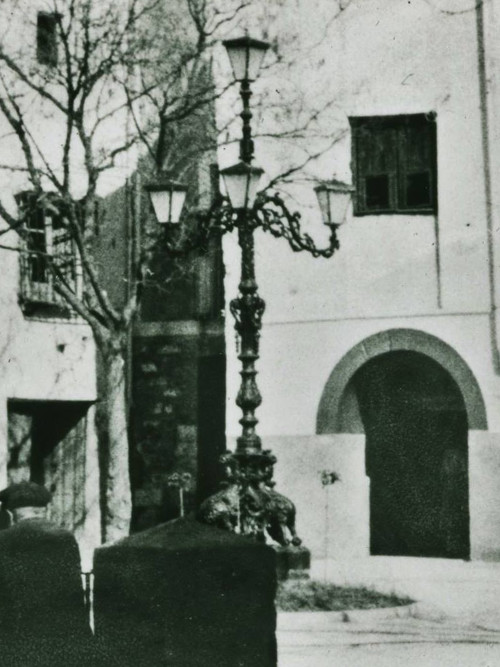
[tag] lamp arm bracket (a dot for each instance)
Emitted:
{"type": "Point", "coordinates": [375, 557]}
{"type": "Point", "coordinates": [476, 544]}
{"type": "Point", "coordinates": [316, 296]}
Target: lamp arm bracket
{"type": "Point", "coordinates": [219, 219]}
{"type": "Point", "coordinates": [269, 212]}
{"type": "Point", "coordinates": [272, 214]}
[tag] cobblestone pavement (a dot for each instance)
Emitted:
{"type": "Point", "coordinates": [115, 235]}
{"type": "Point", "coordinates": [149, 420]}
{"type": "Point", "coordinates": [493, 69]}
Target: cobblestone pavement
{"type": "Point", "coordinates": [396, 642]}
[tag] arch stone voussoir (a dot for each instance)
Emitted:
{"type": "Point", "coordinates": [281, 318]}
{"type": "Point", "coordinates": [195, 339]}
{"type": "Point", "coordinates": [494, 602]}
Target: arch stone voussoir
{"type": "Point", "coordinates": [391, 340]}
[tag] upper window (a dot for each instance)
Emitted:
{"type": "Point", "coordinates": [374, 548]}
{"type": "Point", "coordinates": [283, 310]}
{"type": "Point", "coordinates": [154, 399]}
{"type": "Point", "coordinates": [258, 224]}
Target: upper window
{"type": "Point", "coordinates": [46, 38]}
{"type": "Point", "coordinates": [394, 164]}
{"type": "Point", "coordinates": [48, 253]}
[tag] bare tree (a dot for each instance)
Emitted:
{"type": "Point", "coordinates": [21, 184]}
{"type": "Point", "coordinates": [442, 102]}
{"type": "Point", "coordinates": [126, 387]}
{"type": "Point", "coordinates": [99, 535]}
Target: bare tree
{"type": "Point", "coordinates": [77, 105]}
{"type": "Point", "coordinates": [106, 82]}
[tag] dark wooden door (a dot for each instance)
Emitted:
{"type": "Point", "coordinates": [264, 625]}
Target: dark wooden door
{"type": "Point", "coordinates": [416, 456]}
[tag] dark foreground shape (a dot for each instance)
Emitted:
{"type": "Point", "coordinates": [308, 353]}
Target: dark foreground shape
{"type": "Point", "coordinates": [42, 616]}
{"type": "Point", "coordinates": [187, 595]}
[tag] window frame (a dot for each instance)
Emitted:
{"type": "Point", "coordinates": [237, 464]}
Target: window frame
{"type": "Point", "coordinates": [398, 126]}
{"type": "Point", "coordinates": [32, 290]}
{"type": "Point", "coordinates": [47, 46]}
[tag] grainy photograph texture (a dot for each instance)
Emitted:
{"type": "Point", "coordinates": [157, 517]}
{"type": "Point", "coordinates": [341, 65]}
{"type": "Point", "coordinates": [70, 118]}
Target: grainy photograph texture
{"type": "Point", "coordinates": [249, 335]}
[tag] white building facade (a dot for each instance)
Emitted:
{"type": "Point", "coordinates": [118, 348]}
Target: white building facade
{"type": "Point", "coordinates": [47, 399]}
{"type": "Point", "coordinates": [47, 353]}
{"type": "Point", "coordinates": [382, 364]}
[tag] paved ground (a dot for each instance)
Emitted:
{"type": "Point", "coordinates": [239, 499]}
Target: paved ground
{"type": "Point", "coordinates": [412, 642]}
{"type": "Point", "coordinates": [453, 587]}
{"type": "Point", "coordinates": [457, 622]}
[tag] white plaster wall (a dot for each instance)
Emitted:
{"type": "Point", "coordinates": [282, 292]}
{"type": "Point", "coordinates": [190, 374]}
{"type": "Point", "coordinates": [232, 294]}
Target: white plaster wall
{"type": "Point", "coordinates": [332, 521]}
{"type": "Point", "coordinates": [484, 495]}
{"type": "Point", "coordinates": [386, 58]}
{"type": "Point", "coordinates": [378, 57]}
{"type": "Point", "coordinates": [297, 359]}
{"type": "Point", "coordinates": [488, 14]}
{"type": "Point", "coordinates": [47, 360]}
{"type": "Point", "coordinates": [51, 360]}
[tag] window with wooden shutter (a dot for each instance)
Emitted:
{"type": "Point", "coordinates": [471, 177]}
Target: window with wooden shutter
{"type": "Point", "coordinates": [46, 38]}
{"type": "Point", "coordinates": [394, 164]}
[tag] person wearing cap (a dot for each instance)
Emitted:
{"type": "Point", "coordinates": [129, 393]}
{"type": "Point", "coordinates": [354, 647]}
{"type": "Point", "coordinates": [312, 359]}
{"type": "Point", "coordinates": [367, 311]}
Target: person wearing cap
{"type": "Point", "coordinates": [42, 614]}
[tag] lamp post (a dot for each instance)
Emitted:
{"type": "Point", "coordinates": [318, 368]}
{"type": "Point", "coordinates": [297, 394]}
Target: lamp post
{"type": "Point", "coordinates": [249, 503]}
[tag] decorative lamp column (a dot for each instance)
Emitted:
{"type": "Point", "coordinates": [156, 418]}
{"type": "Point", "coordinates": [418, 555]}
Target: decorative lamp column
{"type": "Point", "coordinates": [248, 503]}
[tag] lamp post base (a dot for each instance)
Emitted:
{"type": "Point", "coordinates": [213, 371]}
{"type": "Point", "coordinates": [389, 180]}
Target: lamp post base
{"type": "Point", "coordinates": [248, 503]}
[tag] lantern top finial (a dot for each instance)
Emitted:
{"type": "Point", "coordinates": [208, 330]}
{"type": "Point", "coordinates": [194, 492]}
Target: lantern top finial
{"type": "Point", "coordinates": [334, 185]}
{"type": "Point", "coordinates": [164, 180]}
{"type": "Point", "coordinates": [246, 42]}
{"type": "Point", "coordinates": [246, 55]}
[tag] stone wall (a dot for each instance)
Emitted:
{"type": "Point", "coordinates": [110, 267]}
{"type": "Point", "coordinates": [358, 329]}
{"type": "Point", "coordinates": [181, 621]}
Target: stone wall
{"type": "Point", "coordinates": [175, 404]}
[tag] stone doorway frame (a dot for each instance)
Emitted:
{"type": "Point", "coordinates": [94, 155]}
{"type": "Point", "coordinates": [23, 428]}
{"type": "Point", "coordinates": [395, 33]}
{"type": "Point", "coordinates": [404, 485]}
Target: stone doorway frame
{"type": "Point", "coordinates": [392, 340]}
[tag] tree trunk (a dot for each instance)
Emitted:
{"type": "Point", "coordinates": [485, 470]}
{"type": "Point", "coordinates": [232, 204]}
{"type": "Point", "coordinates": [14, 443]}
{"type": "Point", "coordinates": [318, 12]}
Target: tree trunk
{"type": "Point", "coordinates": [112, 428]}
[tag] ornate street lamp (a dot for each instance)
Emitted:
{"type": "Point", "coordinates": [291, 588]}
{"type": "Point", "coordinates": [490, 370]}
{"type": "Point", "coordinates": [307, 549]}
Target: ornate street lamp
{"type": "Point", "coordinates": [248, 504]}
{"type": "Point", "coordinates": [167, 199]}
{"type": "Point", "coordinates": [334, 198]}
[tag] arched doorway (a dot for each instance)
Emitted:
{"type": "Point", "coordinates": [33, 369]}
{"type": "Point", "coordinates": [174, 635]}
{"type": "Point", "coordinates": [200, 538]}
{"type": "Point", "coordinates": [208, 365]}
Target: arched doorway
{"type": "Point", "coordinates": [329, 417]}
{"type": "Point", "coordinates": [415, 424]}
{"type": "Point", "coordinates": [415, 398]}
